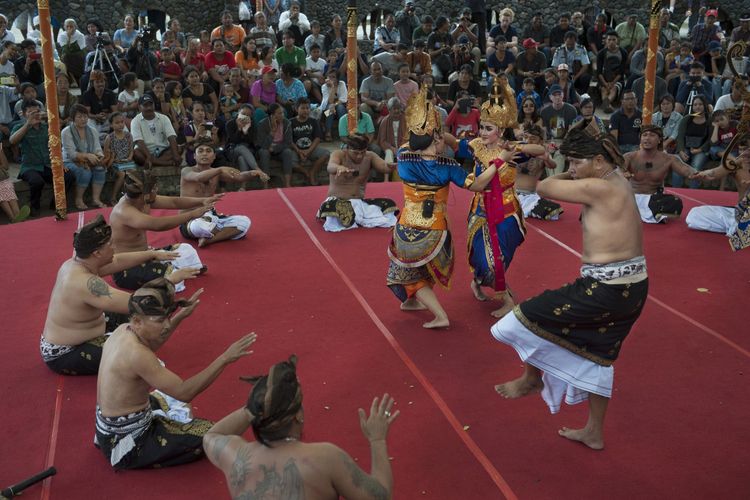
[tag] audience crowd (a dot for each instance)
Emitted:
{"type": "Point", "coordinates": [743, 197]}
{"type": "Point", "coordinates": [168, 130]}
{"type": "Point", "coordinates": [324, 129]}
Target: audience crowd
{"type": "Point", "coordinates": [273, 87]}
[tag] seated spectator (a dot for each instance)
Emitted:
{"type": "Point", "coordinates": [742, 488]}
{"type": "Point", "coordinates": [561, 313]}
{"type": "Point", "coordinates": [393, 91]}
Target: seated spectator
{"type": "Point", "coordinates": [439, 45]}
{"type": "Point", "coordinates": [32, 138]}
{"type": "Point", "coordinates": [530, 64]}
{"type": "Point", "coordinates": [733, 101]}
{"type": "Point", "coordinates": [127, 99]}
{"type": "Point", "coordinates": [239, 85]}
{"type": "Point", "coordinates": [405, 87]}
{"type": "Point", "coordinates": [704, 33]}
{"type": "Point", "coordinates": [501, 60]}
{"type": "Point", "coordinates": [314, 38]}
{"type": "Point", "coordinates": [632, 34]}
{"type": "Point", "coordinates": [274, 141]}
{"type": "Point", "coordinates": [229, 102]}
{"type": "Point", "coordinates": [563, 80]}
{"type": "Point", "coordinates": [232, 34]}
{"type": "Point", "coordinates": [100, 102]}
{"type": "Point", "coordinates": [537, 31]}
{"type": "Point", "coordinates": [241, 141]}
{"type": "Point", "coordinates": [193, 56]}
{"type": "Point", "coordinates": [5, 34]}
{"type": "Point", "coordinates": [94, 29]}
{"type": "Point", "coordinates": [118, 153]}
{"type": "Point", "coordinates": [528, 91]}
{"type": "Point", "coordinates": [678, 66]}
{"type": "Point", "coordinates": [392, 60]}
{"type": "Point", "coordinates": [639, 87]}
{"type": "Point", "coordinates": [695, 85]}
{"type": "Point", "coordinates": [742, 65]}
{"type": "Point", "coordinates": [8, 53]}
{"type": "Point", "coordinates": [365, 128]}
{"type": "Point", "coordinates": [577, 59]}
{"type": "Point", "coordinates": [558, 32]}
{"type": "Point", "coordinates": [429, 82]}
{"type": "Point", "coordinates": [8, 198]}
{"type": "Point", "coordinates": [374, 93]}
{"type": "Point", "coordinates": [124, 38]}
{"type": "Point", "coordinates": [218, 63]}
{"type": "Point", "coordinates": [72, 49]}
{"type": "Point", "coordinates": [263, 93]}
{"type": "Point", "coordinates": [178, 111]}
{"type": "Point", "coordinates": [392, 132]}
{"type": "Point", "coordinates": [465, 27]}
{"type": "Point", "coordinates": [205, 46]}
{"type": "Point", "coordinates": [505, 29]}
{"type": "Point", "coordinates": [82, 155]}
{"type": "Point", "coordinates": [461, 54]}
{"type": "Point", "coordinates": [588, 113]}
{"type": "Point", "coordinates": [625, 123]}
{"type": "Point", "coordinates": [289, 89]}
{"type": "Point", "coordinates": [263, 34]}
{"type": "Point", "coordinates": [694, 140]}
{"type": "Point", "coordinates": [169, 41]}
{"type": "Point", "coordinates": [669, 120]}
{"type": "Point", "coordinates": [581, 26]}
{"type": "Point", "coordinates": [314, 75]}
{"type": "Point", "coordinates": [161, 99]}
{"type": "Point", "coordinates": [557, 118]}
{"type": "Point", "coordinates": [464, 83]}
{"type": "Point", "coordinates": [528, 116]}
{"type": "Point", "coordinates": [65, 101]}
{"type": "Point", "coordinates": [180, 41]}
{"type": "Point", "coordinates": [198, 130]}
{"type": "Point", "coordinates": [333, 103]}
{"type": "Point", "coordinates": [463, 119]}
{"type": "Point", "coordinates": [155, 139]}
{"type": "Point", "coordinates": [387, 36]}
{"type": "Point", "coordinates": [418, 60]}
{"type": "Point", "coordinates": [169, 69]}
{"type": "Point", "coordinates": [611, 65]}
{"type": "Point", "coordinates": [143, 60]}
{"type": "Point", "coordinates": [295, 22]}
{"type": "Point", "coordinates": [597, 36]}
{"type": "Point", "coordinates": [247, 60]}
{"type": "Point", "coordinates": [723, 131]}
{"type": "Point", "coordinates": [306, 137]}
{"type": "Point", "coordinates": [28, 66]}
{"type": "Point", "coordinates": [267, 58]}
{"type": "Point", "coordinates": [715, 64]}
{"type": "Point", "coordinates": [335, 36]}
{"type": "Point", "coordinates": [289, 53]}
{"type": "Point", "coordinates": [407, 21]}
{"type": "Point", "coordinates": [195, 90]}
{"type": "Point", "coordinates": [668, 31]}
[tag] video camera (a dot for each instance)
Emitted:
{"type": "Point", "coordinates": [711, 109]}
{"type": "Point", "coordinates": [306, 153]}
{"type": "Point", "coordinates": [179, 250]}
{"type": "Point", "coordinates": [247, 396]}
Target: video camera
{"type": "Point", "coordinates": [101, 40]}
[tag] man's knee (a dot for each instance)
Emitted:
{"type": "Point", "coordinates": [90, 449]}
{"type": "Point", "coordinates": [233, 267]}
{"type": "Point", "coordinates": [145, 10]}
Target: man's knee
{"type": "Point", "coordinates": [239, 222]}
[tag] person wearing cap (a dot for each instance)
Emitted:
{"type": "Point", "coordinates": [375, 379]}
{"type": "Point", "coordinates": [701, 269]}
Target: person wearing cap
{"type": "Point", "coordinates": [154, 138]}
{"type": "Point", "coordinates": [715, 64]}
{"type": "Point", "coordinates": [742, 32]}
{"type": "Point", "coordinates": [563, 80]}
{"type": "Point", "coordinates": [648, 168]}
{"type": "Point", "coordinates": [275, 412]}
{"type": "Point", "coordinates": [407, 21]}
{"type": "Point", "coordinates": [611, 64]}
{"type": "Point", "coordinates": [462, 54]}
{"type": "Point", "coordinates": [74, 331]}
{"type": "Point", "coordinates": [139, 428]}
{"type": "Point", "coordinates": [557, 119]}
{"type": "Point", "coordinates": [632, 34]}
{"type": "Point", "coordinates": [263, 92]}
{"type": "Point", "coordinates": [576, 57]}
{"type": "Point", "coordinates": [505, 29]}
{"type": "Point", "coordinates": [703, 33]}
{"type": "Point", "coordinates": [466, 34]}
{"type": "Point", "coordinates": [531, 63]}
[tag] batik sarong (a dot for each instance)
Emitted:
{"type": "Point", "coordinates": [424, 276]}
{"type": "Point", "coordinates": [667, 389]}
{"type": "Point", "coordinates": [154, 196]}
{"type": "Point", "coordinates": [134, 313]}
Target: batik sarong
{"type": "Point", "coordinates": [137, 276]}
{"type": "Point", "coordinates": [340, 214]}
{"type": "Point", "coordinates": [658, 207]}
{"type": "Point", "coordinates": [536, 207]}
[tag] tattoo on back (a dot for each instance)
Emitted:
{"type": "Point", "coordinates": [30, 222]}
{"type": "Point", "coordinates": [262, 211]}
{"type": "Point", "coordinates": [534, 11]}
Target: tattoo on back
{"type": "Point", "coordinates": [97, 287]}
{"type": "Point", "coordinates": [271, 484]}
{"type": "Point", "coordinates": [363, 481]}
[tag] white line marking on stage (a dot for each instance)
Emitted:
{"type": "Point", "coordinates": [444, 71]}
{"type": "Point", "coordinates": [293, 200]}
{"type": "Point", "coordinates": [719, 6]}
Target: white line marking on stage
{"type": "Point", "coordinates": [47, 484]}
{"type": "Point", "coordinates": [656, 300]}
{"type": "Point", "coordinates": [494, 474]}
{"type": "Point", "coordinates": [683, 195]}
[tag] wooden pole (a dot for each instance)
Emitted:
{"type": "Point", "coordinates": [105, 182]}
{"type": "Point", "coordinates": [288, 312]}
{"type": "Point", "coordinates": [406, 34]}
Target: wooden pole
{"type": "Point", "coordinates": [50, 89]}
{"type": "Point", "coordinates": [352, 56]}
{"type": "Point", "coordinates": [653, 47]}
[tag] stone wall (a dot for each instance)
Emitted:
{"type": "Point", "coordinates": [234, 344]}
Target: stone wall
{"type": "Point", "coordinates": [196, 15]}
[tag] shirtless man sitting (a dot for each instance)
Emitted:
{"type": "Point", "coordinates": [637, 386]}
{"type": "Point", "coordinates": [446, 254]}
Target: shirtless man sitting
{"type": "Point", "coordinates": [130, 430]}
{"type": "Point", "coordinates": [732, 221]}
{"type": "Point", "coordinates": [569, 338]}
{"type": "Point", "coordinates": [346, 206]}
{"type": "Point", "coordinates": [647, 168]}
{"type": "Point", "coordinates": [74, 331]}
{"type": "Point", "coordinates": [279, 464]}
{"type": "Point", "coordinates": [528, 174]}
{"type": "Point", "coordinates": [131, 218]}
{"type": "Point", "coordinates": [201, 181]}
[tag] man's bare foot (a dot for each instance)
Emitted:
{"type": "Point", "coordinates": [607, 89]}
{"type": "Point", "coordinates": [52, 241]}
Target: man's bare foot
{"type": "Point", "coordinates": [519, 387]}
{"type": "Point", "coordinates": [508, 305]}
{"type": "Point", "coordinates": [478, 293]}
{"type": "Point", "coordinates": [593, 440]}
{"type": "Point", "coordinates": [81, 206]}
{"type": "Point", "coordinates": [437, 323]}
{"type": "Point", "coordinates": [202, 242]}
{"type": "Point", "coordinates": [412, 304]}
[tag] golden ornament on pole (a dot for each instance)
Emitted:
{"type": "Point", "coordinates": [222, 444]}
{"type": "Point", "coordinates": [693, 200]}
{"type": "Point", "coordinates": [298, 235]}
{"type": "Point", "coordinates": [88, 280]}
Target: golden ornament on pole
{"type": "Point", "coordinates": [352, 57]}
{"type": "Point", "coordinates": [53, 124]}
{"type": "Point", "coordinates": [654, 27]}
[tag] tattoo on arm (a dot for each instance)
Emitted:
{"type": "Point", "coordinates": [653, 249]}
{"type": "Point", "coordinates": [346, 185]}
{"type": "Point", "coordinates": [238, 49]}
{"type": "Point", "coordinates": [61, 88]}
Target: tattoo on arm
{"type": "Point", "coordinates": [97, 287]}
{"type": "Point", "coordinates": [363, 481]}
{"type": "Point", "coordinates": [240, 468]}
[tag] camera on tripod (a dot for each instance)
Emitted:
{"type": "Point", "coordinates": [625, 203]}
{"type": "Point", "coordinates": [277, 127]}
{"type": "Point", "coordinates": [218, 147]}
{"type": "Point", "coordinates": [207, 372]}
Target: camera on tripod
{"type": "Point", "coordinates": [102, 40]}
{"type": "Point", "coordinates": [147, 34]}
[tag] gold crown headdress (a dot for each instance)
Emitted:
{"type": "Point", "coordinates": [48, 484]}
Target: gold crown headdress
{"type": "Point", "coordinates": [500, 109]}
{"type": "Point", "coordinates": [422, 118]}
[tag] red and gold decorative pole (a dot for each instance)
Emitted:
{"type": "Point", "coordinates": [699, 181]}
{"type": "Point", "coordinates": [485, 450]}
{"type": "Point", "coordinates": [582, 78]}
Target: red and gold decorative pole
{"type": "Point", "coordinates": [50, 90]}
{"type": "Point", "coordinates": [352, 57]}
{"type": "Point", "coordinates": [653, 47]}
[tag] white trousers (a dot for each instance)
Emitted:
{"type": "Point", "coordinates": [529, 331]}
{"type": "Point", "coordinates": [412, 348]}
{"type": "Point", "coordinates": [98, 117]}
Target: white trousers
{"type": "Point", "coordinates": [712, 218]}
{"type": "Point", "coordinates": [364, 215]}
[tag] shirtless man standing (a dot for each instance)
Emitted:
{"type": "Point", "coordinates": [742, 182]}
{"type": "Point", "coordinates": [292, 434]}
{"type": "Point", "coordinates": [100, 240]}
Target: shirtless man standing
{"type": "Point", "coordinates": [528, 175]}
{"type": "Point", "coordinates": [131, 218]}
{"type": "Point", "coordinates": [74, 330]}
{"type": "Point", "coordinates": [647, 168]}
{"type": "Point", "coordinates": [279, 464]}
{"type": "Point", "coordinates": [128, 431]}
{"type": "Point", "coordinates": [201, 181]}
{"type": "Point", "coordinates": [574, 334]}
{"type": "Point", "coordinates": [346, 206]}
{"type": "Point", "coordinates": [732, 221]}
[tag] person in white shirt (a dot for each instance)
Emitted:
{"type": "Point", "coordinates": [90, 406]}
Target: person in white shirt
{"type": "Point", "coordinates": [333, 103]}
{"type": "Point", "coordinates": [71, 34]}
{"type": "Point", "coordinates": [154, 137]}
{"type": "Point", "coordinates": [5, 34]}
{"type": "Point", "coordinates": [314, 73]}
{"type": "Point", "coordinates": [295, 21]}
{"type": "Point", "coordinates": [314, 38]}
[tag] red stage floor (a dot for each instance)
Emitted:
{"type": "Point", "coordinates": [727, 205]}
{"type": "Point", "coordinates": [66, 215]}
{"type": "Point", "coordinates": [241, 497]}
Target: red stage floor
{"type": "Point", "coordinates": [676, 426]}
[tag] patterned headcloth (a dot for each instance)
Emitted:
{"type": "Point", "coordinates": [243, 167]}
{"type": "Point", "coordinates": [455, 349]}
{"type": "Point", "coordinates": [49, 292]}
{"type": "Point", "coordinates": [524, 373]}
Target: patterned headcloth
{"type": "Point", "coordinates": [275, 400]}
{"type": "Point", "coordinates": [91, 237]}
{"type": "Point", "coordinates": [138, 182]}
{"type": "Point", "coordinates": [654, 129]}
{"type": "Point", "coordinates": [586, 140]}
{"type": "Point", "coordinates": [155, 298]}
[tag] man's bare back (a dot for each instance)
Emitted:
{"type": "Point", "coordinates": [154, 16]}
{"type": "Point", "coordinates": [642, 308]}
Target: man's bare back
{"type": "Point", "coordinates": [70, 320]}
{"type": "Point", "coordinates": [125, 237]}
{"type": "Point", "coordinates": [349, 186]}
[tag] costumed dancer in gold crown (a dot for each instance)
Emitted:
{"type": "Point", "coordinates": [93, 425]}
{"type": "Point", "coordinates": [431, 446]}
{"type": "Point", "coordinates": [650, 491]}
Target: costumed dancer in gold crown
{"type": "Point", "coordinates": [421, 249]}
{"type": "Point", "coordinates": [496, 226]}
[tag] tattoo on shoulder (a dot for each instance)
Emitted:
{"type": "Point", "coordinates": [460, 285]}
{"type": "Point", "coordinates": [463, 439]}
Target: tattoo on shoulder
{"type": "Point", "coordinates": [217, 446]}
{"type": "Point", "coordinates": [271, 484]}
{"type": "Point", "coordinates": [97, 287]}
{"type": "Point", "coordinates": [363, 481]}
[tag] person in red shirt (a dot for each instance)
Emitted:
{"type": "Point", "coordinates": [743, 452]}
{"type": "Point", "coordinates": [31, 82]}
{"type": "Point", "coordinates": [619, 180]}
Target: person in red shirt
{"type": "Point", "coordinates": [192, 56]}
{"type": "Point", "coordinates": [169, 69]}
{"type": "Point", "coordinates": [218, 63]}
{"type": "Point", "coordinates": [463, 120]}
